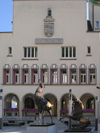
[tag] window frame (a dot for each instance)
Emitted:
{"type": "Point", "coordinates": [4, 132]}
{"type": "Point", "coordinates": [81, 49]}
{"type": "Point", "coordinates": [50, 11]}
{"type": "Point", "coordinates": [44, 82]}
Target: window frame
{"type": "Point", "coordinates": [14, 75]}
{"type": "Point", "coordinates": [70, 54]}
{"type": "Point", "coordinates": [29, 54]}
{"type": "Point", "coordinates": [81, 69]}
{"type": "Point", "coordinates": [92, 67]}
{"type": "Point", "coordinates": [34, 68]}
{"type": "Point", "coordinates": [97, 24]}
{"type": "Point", "coordinates": [53, 68]}
{"type": "Point", "coordinates": [25, 68]}
{"type": "Point", "coordinates": [32, 75]}
{"type": "Point", "coordinates": [73, 69]}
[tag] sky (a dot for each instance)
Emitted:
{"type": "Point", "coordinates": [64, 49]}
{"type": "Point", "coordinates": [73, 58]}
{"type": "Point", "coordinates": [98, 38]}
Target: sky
{"type": "Point", "coordinates": [6, 15]}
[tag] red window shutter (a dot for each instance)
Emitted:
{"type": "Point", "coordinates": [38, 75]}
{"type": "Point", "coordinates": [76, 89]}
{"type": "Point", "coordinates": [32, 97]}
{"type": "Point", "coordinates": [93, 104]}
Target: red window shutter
{"type": "Point", "coordinates": [32, 78]}
{"type": "Point", "coordinates": [22, 76]}
{"type": "Point", "coordinates": [4, 76]}
{"type": "Point", "coordinates": [13, 76]}
{"type": "Point", "coordinates": [42, 75]}
{"type": "Point", "coordinates": [51, 77]}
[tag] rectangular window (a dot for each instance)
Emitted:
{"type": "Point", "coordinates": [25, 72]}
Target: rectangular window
{"type": "Point", "coordinates": [97, 24]}
{"type": "Point", "coordinates": [63, 76]}
{"type": "Point", "coordinates": [16, 76]}
{"type": "Point", "coordinates": [10, 51]}
{"type": "Point", "coordinates": [68, 52]}
{"type": "Point", "coordinates": [30, 52]}
{"type": "Point", "coordinates": [88, 50]}
{"type": "Point", "coordinates": [35, 77]}
{"type": "Point", "coordinates": [92, 77]}
{"type": "Point", "coordinates": [54, 77]}
{"type": "Point", "coordinates": [26, 76]}
{"type": "Point", "coordinates": [7, 76]}
{"type": "Point", "coordinates": [73, 76]}
{"type": "Point", "coordinates": [83, 76]}
{"type": "Point", "coordinates": [45, 76]}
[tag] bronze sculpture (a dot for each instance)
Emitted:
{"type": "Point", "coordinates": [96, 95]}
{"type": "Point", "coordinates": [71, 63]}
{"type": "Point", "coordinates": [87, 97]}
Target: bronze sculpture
{"type": "Point", "coordinates": [42, 103]}
{"type": "Point", "coordinates": [78, 114]}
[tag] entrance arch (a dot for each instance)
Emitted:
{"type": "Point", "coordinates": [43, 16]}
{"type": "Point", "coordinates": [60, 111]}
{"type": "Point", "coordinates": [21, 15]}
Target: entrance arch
{"type": "Point", "coordinates": [29, 101]}
{"type": "Point", "coordinates": [88, 101]}
{"type": "Point", "coordinates": [11, 101]}
{"type": "Point", "coordinates": [65, 101]}
{"type": "Point", "coordinates": [53, 100]}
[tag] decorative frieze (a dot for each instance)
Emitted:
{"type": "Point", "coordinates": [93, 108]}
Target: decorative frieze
{"type": "Point", "coordinates": [49, 41]}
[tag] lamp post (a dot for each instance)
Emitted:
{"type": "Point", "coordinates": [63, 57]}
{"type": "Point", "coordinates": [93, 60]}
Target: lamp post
{"type": "Point", "coordinates": [1, 90]}
{"type": "Point", "coordinates": [98, 87]}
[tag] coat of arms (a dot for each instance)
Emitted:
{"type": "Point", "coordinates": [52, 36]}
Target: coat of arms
{"type": "Point", "coordinates": [49, 29]}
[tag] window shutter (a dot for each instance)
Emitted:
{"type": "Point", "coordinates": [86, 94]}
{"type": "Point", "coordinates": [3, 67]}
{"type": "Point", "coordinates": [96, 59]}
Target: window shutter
{"type": "Point", "coordinates": [51, 77]}
{"type": "Point", "coordinates": [42, 75]}
{"type": "Point", "coordinates": [13, 76]}
{"type": "Point", "coordinates": [32, 78]}
{"type": "Point", "coordinates": [22, 76]}
{"type": "Point", "coordinates": [4, 76]}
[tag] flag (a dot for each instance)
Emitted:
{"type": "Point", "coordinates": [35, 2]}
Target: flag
{"type": "Point", "coordinates": [95, 2]}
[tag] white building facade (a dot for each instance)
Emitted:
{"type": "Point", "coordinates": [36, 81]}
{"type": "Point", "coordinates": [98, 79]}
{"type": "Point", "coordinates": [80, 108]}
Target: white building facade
{"type": "Point", "coordinates": [50, 42]}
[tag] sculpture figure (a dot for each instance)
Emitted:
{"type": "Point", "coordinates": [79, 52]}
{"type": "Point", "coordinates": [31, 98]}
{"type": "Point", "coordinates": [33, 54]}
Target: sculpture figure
{"type": "Point", "coordinates": [42, 103]}
{"type": "Point", "coordinates": [78, 114]}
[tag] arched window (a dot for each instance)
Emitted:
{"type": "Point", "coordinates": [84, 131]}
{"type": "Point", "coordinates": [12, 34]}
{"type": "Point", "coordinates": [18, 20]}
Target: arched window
{"type": "Point", "coordinates": [92, 74]}
{"type": "Point", "coordinates": [6, 74]}
{"type": "Point", "coordinates": [25, 74]}
{"type": "Point", "coordinates": [16, 74]}
{"type": "Point", "coordinates": [34, 74]}
{"type": "Point", "coordinates": [82, 74]}
{"type": "Point", "coordinates": [54, 74]}
{"type": "Point", "coordinates": [73, 74]}
{"type": "Point", "coordinates": [63, 74]}
{"type": "Point", "coordinates": [44, 74]}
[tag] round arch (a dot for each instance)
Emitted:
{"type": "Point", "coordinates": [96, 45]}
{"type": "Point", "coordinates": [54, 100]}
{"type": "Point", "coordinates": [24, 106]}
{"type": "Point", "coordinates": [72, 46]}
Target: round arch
{"type": "Point", "coordinates": [28, 101]}
{"type": "Point", "coordinates": [11, 100]}
{"type": "Point", "coordinates": [88, 100]}
{"type": "Point", "coordinates": [65, 101]}
{"type": "Point", "coordinates": [53, 100]}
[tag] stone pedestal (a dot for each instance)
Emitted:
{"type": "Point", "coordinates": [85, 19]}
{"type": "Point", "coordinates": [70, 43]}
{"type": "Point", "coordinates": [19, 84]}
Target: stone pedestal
{"type": "Point", "coordinates": [76, 130]}
{"type": "Point", "coordinates": [46, 128]}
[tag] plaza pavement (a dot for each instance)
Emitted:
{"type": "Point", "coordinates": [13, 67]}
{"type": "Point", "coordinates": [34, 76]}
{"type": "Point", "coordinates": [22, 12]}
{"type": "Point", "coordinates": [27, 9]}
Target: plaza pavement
{"type": "Point", "coordinates": [22, 129]}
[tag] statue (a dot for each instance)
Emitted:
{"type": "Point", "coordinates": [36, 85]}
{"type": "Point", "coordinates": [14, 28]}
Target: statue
{"type": "Point", "coordinates": [78, 114]}
{"type": "Point", "coordinates": [42, 103]}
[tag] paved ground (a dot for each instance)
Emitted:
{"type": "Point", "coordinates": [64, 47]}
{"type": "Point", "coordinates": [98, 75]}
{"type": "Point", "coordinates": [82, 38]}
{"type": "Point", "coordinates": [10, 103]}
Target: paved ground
{"type": "Point", "coordinates": [22, 129]}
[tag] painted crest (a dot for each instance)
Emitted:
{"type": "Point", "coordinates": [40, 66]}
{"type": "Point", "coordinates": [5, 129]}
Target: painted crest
{"type": "Point", "coordinates": [49, 29]}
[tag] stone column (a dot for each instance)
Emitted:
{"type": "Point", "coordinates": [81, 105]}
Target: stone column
{"type": "Point", "coordinates": [20, 108]}
{"type": "Point", "coordinates": [58, 108]}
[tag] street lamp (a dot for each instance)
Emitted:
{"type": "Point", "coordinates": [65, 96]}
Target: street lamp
{"type": "Point", "coordinates": [1, 90]}
{"type": "Point", "coordinates": [98, 87]}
